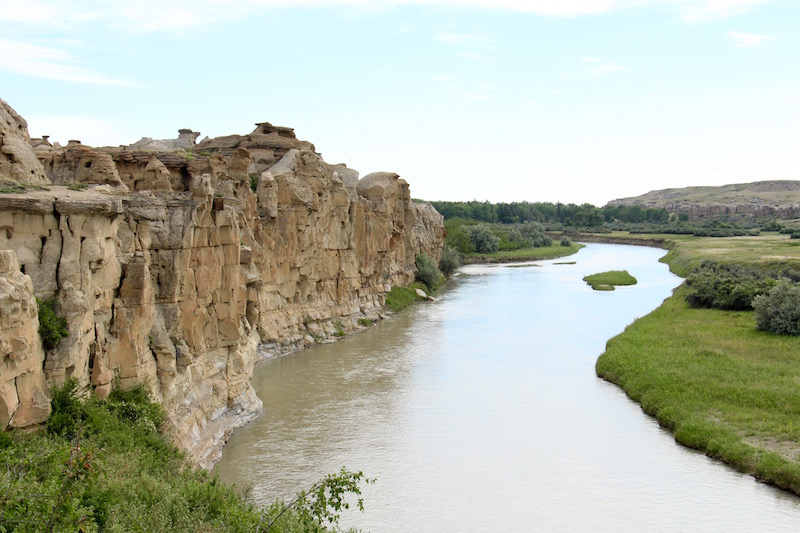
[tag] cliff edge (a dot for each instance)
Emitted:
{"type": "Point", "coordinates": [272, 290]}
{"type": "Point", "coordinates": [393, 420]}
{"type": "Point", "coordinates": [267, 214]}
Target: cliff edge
{"type": "Point", "coordinates": [179, 264]}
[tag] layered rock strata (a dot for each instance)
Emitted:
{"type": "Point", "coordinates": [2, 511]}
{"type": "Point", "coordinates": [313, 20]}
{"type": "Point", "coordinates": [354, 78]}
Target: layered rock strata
{"type": "Point", "coordinates": [180, 269]}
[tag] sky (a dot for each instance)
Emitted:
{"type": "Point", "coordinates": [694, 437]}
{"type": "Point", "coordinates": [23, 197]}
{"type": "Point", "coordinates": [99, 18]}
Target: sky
{"type": "Point", "coordinates": [502, 100]}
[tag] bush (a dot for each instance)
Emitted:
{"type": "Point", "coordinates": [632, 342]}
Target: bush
{"type": "Point", "coordinates": [534, 235]}
{"type": "Point", "coordinates": [728, 287]}
{"type": "Point", "coordinates": [427, 271]}
{"type": "Point", "coordinates": [565, 241]}
{"type": "Point", "coordinates": [52, 327]}
{"type": "Point", "coordinates": [68, 410]}
{"type": "Point", "coordinates": [483, 238]}
{"type": "Point", "coordinates": [778, 311]}
{"type": "Point", "coordinates": [449, 261]}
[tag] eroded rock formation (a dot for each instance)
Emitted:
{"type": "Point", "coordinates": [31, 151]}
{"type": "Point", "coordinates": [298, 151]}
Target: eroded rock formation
{"type": "Point", "coordinates": [180, 269]}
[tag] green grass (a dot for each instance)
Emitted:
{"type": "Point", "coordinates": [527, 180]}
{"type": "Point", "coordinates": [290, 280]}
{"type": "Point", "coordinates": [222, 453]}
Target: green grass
{"type": "Point", "coordinates": [606, 281]}
{"type": "Point", "coordinates": [12, 187]}
{"type": "Point", "coordinates": [717, 383]}
{"type": "Point", "coordinates": [401, 297]}
{"type": "Point", "coordinates": [524, 254]}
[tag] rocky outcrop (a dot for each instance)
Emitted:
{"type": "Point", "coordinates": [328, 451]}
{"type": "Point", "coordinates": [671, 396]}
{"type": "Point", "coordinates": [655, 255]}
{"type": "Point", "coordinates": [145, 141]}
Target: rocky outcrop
{"type": "Point", "coordinates": [24, 400]}
{"type": "Point", "coordinates": [17, 161]}
{"type": "Point", "coordinates": [181, 272]}
{"type": "Point", "coordinates": [761, 199]}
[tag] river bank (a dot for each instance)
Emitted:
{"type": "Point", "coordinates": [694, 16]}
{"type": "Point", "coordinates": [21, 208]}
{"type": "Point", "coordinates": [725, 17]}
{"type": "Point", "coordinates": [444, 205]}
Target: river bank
{"type": "Point", "coordinates": [523, 255]}
{"type": "Point", "coordinates": [708, 376]}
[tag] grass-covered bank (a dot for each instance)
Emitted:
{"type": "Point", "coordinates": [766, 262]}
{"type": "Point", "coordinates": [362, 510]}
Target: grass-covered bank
{"type": "Point", "coordinates": [720, 385]}
{"type": "Point", "coordinates": [554, 251]}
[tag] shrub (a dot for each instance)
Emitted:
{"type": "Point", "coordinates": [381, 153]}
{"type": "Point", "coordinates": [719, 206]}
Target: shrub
{"type": "Point", "coordinates": [565, 241]}
{"type": "Point", "coordinates": [68, 410]}
{"type": "Point", "coordinates": [254, 179]}
{"type": "Point", "coordinates": [778, 311]}
{"type": "Point", "coordinates": [483, 238]}
{"type": "Point", "coordinates": [534, 235]}
{"type": "Point", "coordinates": [52, 327]}
{"type": "Point", "coordinates": [427, 271]}
{"type": "Point", "coordinates": [728, 287]}
{"type": "Point", "coordinates": [795, 235]}
{"type": "Point", "coordinates": [449, 261]}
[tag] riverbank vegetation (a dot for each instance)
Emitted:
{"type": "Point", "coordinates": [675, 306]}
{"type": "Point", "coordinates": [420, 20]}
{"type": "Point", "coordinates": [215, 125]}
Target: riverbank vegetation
{"type": "Point", "coordinates": [102, 465]}
{"type": "Point", "coordinates": [720, 385]}
{"type": "Point", "coordinates": [606, 281]}
{"type": "Point", "coordinates": [705, 367]}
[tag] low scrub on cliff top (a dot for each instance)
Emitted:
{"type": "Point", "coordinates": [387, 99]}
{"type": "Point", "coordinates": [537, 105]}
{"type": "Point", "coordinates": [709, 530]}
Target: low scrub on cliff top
{"type": "Point", "coordinates": [102, 465]}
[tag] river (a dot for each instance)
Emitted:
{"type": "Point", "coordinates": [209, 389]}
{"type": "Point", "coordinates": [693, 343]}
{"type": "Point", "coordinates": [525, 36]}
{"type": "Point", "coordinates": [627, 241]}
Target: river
{"type": "Point", "coordinates": [482, 412]}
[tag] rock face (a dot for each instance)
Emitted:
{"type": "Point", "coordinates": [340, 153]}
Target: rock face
{"type": "Point", "coordinates": [17, 161]}
{"type": "Point", "coordinates": [777, 199]}
{"type": "Point", "coordinates": [180, 272]}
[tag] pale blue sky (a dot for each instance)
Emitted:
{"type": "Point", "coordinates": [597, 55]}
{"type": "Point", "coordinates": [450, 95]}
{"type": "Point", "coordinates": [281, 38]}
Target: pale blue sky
{"type": "Point", "coordinates": [500, 100]}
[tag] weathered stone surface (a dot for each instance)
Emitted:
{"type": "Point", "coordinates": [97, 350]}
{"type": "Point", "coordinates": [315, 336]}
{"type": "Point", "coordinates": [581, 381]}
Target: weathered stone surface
{"type": "Point", "coordinates": [79, 164]}
{"type": "Point", "coordinates": [181, 283]}
{"type": "Point", "coordinates": [23, 387]}
{"type": "Point", "coordinates": [18, 160]}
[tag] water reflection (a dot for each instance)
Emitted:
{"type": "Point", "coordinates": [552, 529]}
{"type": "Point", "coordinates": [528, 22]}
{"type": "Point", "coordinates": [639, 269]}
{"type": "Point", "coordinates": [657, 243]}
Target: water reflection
{"type": "Point", "coordinates": [482, 412]}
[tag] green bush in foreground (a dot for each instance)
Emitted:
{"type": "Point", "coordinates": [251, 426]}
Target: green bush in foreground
{"type": "Point", "coordinates": [778, 311]}
{"type": "Point", "coordinates": [606, 281]}
{"type": "Point", "coordinates": [109, 469]}
{"type": "Point", "coordinates": [730, 287]}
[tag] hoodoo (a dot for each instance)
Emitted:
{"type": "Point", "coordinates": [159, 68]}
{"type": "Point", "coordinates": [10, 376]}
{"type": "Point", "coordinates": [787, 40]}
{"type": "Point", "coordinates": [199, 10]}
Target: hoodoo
{"type": "Point", "coordinates": [178, 264]}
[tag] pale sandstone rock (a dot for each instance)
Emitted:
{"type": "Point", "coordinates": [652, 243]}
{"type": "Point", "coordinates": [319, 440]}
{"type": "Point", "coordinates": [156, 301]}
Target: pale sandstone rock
{"type": "Point", "coordinates": [18, 161]}
{"type": "Point", "coordinates": [184, 288]}
{"type": "Point", "coordinates": [23, 397]}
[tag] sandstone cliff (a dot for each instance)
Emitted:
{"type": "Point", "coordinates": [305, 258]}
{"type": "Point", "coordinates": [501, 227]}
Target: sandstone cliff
{"type": "Point", "coordinates": [180, 268]}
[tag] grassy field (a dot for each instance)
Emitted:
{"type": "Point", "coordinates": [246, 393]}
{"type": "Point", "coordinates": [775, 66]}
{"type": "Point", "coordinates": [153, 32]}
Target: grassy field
{"type": "Point", "coordinates": [525, 254]}
{"type": "Point", "coordinates": [606, 281]}
{"type": "Point", "coordinates": [720, 385]}
{"type": "Point", "coordinates": [770, 249]}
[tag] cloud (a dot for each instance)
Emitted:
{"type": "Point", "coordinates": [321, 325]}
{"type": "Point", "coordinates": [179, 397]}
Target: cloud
{"type": "Point", "coordinates": [596, 66]}
{"type": "Point", "coordinates": [748, 40]}
{"type": "Point", "coordinates": [703, 10]}
{"type": "Point", "coordinates": [459, 39]}
{"type": "Point", "coordinates": [160, 16]}
{"type": "Point", "coordinates": [42, 61]}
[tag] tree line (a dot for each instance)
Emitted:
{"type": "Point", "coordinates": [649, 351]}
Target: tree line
{"type": "Point", "coordinates": [584, 215]}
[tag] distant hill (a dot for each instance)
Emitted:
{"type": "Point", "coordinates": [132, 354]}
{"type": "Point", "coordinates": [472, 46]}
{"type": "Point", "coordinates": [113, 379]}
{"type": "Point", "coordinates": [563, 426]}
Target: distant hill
{"type": "Point", "coordinates": [773, 199]}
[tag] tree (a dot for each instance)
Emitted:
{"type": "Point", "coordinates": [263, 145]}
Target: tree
{"type": "Point", "coordinates": [484, 240]}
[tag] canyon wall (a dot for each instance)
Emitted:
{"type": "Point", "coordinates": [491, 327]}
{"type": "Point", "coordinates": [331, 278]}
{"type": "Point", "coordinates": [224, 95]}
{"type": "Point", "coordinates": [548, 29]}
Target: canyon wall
{"type": "Point", "coordinates": [180, 267]}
